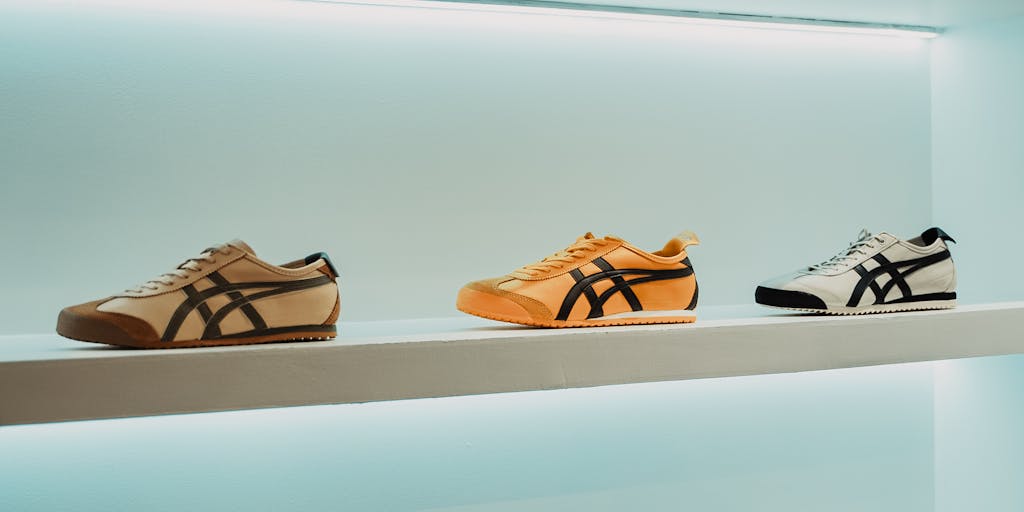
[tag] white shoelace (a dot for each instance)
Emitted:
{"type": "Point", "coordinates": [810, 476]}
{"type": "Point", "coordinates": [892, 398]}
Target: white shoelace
{"type": "Point", "coordinates": [865, 240]}
{"type": "Point", "coordinates": [182, 271]}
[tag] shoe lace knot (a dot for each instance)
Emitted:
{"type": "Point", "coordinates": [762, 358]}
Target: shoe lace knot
{"type": "Point", "coordinates": [182, 271]}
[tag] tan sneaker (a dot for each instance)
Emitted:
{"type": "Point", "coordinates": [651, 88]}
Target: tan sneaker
{"type": "Point", "coordinates": [224, 296]}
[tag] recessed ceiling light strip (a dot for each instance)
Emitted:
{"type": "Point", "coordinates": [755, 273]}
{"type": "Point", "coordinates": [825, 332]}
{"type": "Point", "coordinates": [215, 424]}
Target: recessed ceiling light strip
{"type": "Point", "coordinates": [675, 15]}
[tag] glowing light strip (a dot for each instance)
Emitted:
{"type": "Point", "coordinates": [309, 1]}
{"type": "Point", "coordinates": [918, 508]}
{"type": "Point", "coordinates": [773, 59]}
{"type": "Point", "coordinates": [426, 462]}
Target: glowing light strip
{"type": "Point", "coordinates": [664, 15]}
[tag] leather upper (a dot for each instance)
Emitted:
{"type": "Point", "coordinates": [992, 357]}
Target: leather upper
{"type": "Point", "coordinates": [544, 296]}
{"type": "Point", "coordinates": [836, 286]}
{"type": "Point", "coordinates": [235, 293]}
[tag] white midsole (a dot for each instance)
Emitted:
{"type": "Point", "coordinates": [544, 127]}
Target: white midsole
{"type": "Point", "coordinates": [899, 306]}
{"type": "Point", "coordinates": [647, 314]}
{"type": "Point", "coordinates": [878, 308]}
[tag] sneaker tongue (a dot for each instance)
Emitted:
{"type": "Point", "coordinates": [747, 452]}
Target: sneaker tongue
{"type": "Point", "coordinates": [242, 245]}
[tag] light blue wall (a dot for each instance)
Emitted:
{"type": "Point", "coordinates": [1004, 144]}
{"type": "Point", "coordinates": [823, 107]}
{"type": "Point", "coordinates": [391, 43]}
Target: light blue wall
{"type": "Point", "coordinates": [433, 147]}
{"type": "Point", "coordinates": [845, 440]}
{"type": "Point", "coordinates": [978, 163]}
{"type": "Point", "coordinates": [424, 148]}
{"type": "Point", "coordinates": [979, 450]}
{"type": "Point", "coordinates": [978, 153]}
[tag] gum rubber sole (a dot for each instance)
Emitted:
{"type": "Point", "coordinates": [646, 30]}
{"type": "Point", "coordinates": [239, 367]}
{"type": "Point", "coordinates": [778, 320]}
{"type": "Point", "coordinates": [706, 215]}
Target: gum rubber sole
{"type": "Point", "coordinates": [305, 333]}
{"type": "Point", "coordinates": [582, 323]}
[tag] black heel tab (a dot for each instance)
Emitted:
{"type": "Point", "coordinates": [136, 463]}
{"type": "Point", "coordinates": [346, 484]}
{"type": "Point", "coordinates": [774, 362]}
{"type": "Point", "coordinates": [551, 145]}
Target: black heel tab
{"type": "Point", "coordinates": [930, 235]}
{"type": "Point", "coordinates": [312, 258]}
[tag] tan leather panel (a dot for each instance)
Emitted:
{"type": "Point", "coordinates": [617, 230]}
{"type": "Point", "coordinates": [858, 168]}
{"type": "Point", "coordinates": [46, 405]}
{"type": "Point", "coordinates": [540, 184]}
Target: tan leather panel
{"type": "Point", "coordinates": [333, 317]}
{"type": "Point", "coordinates": [249, 269]}
{"type": "Point", "coordinates": [194, 326]}
{"type": "Point", "coordinates": [191, 329]}
{"type": "Point", "coordinates": [217, 301]}
{"type": "Point", "coordinates": [305, 307]}
{"type": "Point", "coordinates": [156, 310]}
{"type": "Point", "coordinates": [236, 322]}
{"type": "Point", "coordinates": [203, 284]}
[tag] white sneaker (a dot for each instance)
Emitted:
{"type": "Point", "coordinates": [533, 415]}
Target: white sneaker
{"type": "Point", "coordinates": [876, 274]}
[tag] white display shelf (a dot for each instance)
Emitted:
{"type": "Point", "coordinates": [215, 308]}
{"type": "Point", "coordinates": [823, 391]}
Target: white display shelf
{"type": "Point", "coordinates": [46, 378]}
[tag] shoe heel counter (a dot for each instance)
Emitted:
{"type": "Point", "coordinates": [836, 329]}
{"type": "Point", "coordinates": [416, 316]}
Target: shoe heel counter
{"type": "Point", "coordinates": [692, 278]}
{"type": "Point", "coordinates": [947, 267]}
{"type": "Point", "coordinates": [327, 268]}
{"type": "Point", "coordinates": [331, 271]}
{"type": "Point", "coordinates": [693, 299]}
{"type": "Point", "coordinates": [951, 285]}
{"type": "Point", "coordinates": [939, 277]}
{"type": "Point", "coordinates": [318, 305]}
{"type": "Point", "coordinates": [685, 289]}
{"type": "Point", "coordinates": [332, 317]}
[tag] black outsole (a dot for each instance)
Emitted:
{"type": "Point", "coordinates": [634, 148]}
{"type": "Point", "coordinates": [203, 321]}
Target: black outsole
{"type": "Point", "coordinates": [788, 299]}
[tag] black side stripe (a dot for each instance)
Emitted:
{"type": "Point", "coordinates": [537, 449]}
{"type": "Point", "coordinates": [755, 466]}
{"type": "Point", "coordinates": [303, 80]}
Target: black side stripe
{"type": "Point", "coordinates": [911, 270]}
{"type": "Point", "coordinates": [895, 278]}
{"type": "Point", "coordinates": [589, 292]}
{"type": "Point", "coordinates": [574, 293]}
{"type": "Point", "coordinates": [668, 274]}
{"type": "Point", "coordinates": [627, 292]}
{"type": "Point", "coordinates": [250, 312]}
{"type": "Point", "coordinates": [186, 307]}
{"type": "Point", "coordinates": [242, 301]}
{"type": "Point", "coordinates": [693, 301]}
{"type": "Point", "coordinates": [696, 289]}
{"type": "Point", "coordinates": [204, 308]}
{"type": "Point", "coordinates": [875, 289]}
{"type": "Point", "coordinates": [869, 278]}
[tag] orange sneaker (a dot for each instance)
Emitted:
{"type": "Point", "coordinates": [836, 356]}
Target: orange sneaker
{"type": "Point", "coordinates": [594, 282]}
